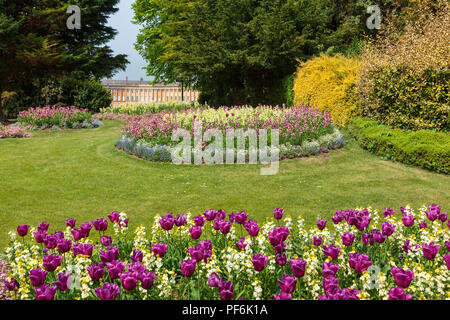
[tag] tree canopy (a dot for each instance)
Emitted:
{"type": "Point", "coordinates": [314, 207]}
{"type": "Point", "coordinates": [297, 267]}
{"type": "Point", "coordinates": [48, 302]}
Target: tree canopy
{"type": "Point", "coordinates": [239, 51]}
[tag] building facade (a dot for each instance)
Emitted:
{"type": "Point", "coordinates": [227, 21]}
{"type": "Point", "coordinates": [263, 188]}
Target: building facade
{"type": "Point", "coordinates": [131, 91]}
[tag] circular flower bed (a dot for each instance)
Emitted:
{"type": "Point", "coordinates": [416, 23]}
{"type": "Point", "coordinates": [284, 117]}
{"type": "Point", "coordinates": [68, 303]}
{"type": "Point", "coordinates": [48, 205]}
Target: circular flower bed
{"type": "Point", "coordinates": [359, 254]}
{"type": "Point", "coordinates": [57, 118]}
{"type": "Point", "coordinates": [303, 130]}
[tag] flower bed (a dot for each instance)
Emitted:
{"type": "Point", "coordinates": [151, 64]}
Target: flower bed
{"type": "Point", "coordinates": [152, 107]}
{"type": "Point", "coordinates": [361, 254]}
{"type": "Point", "coordinates": [13, 132]}
{"type": "Point", "coordinates": [302, 130]}
{"type": "Point", "coordinates": [57, 118]}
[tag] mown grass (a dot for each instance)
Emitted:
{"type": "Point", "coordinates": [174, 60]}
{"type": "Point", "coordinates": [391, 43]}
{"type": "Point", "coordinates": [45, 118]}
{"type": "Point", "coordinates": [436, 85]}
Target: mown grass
{"type": "Point", "coordinates": [79, 174]}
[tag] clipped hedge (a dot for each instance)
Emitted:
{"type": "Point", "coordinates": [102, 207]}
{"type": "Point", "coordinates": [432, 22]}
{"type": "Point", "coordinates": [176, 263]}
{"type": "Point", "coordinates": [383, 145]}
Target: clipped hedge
{"type": "Point", "coordinates": [424, 148]}
{"type": "Point", "coordinates": [328, 83]}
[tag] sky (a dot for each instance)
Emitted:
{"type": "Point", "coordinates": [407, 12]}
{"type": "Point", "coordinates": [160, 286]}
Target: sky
{"type": "Point", "coordinates": [123, 43]}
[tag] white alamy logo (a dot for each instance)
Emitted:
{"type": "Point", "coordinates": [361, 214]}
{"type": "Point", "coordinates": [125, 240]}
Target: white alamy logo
{"type": "Point", "coordinates": [208, 147]}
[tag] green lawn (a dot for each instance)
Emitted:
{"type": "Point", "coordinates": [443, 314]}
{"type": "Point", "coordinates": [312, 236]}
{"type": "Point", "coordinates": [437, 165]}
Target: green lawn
{"type": "Point", "coordinates": [79, 174]}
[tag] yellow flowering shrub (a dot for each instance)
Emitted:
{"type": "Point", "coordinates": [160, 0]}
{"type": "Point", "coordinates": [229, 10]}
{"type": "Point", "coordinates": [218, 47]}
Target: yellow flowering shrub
{"type": "Point", "coordinates": [327, 82]}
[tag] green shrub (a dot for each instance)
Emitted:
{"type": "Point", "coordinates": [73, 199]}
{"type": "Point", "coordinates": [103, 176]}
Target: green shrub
{"type": "Point", "coordinates": [405, 76]}
{"type": "Point", "coordinates": [425, 148]}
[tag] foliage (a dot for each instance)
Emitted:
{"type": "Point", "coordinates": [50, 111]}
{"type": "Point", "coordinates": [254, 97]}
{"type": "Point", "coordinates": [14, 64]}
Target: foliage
{"type": "Point", "coordinates": [238, 52]}
{"type": "Point", "coordinates": [36, 45]}
{"type": "Point", "coordinates": [368, 255]}
{"type": "Point", "coordinates": [424, 148]}
{"type": "Point", "coordinates": [405, 76]}
{"type": "Point", "coordinates": [328, 83]}
{"type": "Point", "coordinates": [152, 107]}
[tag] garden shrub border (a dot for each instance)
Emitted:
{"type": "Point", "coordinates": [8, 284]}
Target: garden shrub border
{"type": "Point", "coordinates": [162, 153]}
{"type": "Point", "coordinates": [424, 148]}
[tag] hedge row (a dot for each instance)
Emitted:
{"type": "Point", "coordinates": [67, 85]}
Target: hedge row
{"type": "Point", "coordinates": [424, 148]}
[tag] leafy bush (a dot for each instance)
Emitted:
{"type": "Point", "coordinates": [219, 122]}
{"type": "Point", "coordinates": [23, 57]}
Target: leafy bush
{"type": "Point", "coordinates": [216, 256]}
{"type": "Point", "coordinates": [405, 76]}
{"type": "Point", "coordinates": [91, 95]}
{"type": "Point", "coordinates": [328, 83]}
{"type": "Point", "coordinates": [424, 148]}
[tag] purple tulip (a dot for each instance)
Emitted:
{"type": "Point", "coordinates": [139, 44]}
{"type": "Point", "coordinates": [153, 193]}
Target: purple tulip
{"type": "Point", "coordinates": [331, 251]}
{"type": "Point", "coordinates": [321, 224]}
{"type": "Point", "coordinates": [377, 236]}
{"type": "Point", "coordinates": [111, 254]}
{"type": "Point", "coordinates": [137, 256]}
{"type": "Point", "coordinates": [199, 221]}
{"type": "Point", "coordinates": [408, 220]}
{"type": "Point", "coordinates": [51, 241]}
{"type": "Point", "coordinates": [288, 283]}
{"type": "Point", "coordinates": [45, 292]}
{"type": "Point", "coordinates": [224, 226]}
{"type": "Point", "coordinates": [423, 225]}
{"type": "Point", "coordinates": [282, 296]}
{"type": "Point", "coordinates": [406, 246]}
{"type": "Point", "coordinates": [167, 222]}
{"type": "Point", "coordinates": [196, 253]}
{"type": "Point", "coordinates": [433, 212]}
{"type": "Point", "coordinates": [241, 217]}
{"type": "Point", "coordinates": [447, 245]}
{"type": "Point", "coordinates": [106, 240]}
{"type": "Point", "coordinates": [40, 236]}
{"type": "Point", "coordinates": [210, 215]}
{"type": "Point", "coordinates": [114, 217]}
{"type": "Point", "coordinates": [259, 261]}
{"type": "Point", "coordinates": [37, 277]}
{"type": "Point", "coordinates": [115, 268]}
{"type": "Point", "coordinates": [159, 249]}
{"type": "Point", "coordinates": [317, 241]}
{"type": "Point", "coordinates": [442, 217]}
{"type": "Point", "coordinates": [387, 229]}
{"type": "Point", "coordinates": [388, 212]}
{"type": "Point", "coordinates": [85, 228]}
{"type": "Point", "coordinates": [330, 284]}
{"type": "Point", "coordinates": [84, 249]}
{"type": "Point", "coordinates": [71, 223]}
{"type": "Point", "coordinates": [129, 281]}
{"type": "Point", "coordinates": [359, 262]}
{"type": "Point", "coordinates": [147, 280]}
{"type": "Point", "coordinates": [214, 280]}
{"type": "Point", "coordinates": [447, 260]}
{"type": "Point", "coordinates": [226, 290]}
{"type": "Point", "coordinates": [43, 227]}
{"type": "Point", "coordinates": [22, 230]}
{"type": "Point", "coordinates": [52, 262]}
{"type": "Point", "coordinates": [278, 213]}
{"type": "Point", "coordinates": [187, 267]}
{"type": "Point", "coordinates": [241, 243]}
{"type": "Point", "coordinates": [402, 278]}
{"type": "Point", "coordinates": [329, 269]}
{"type": "Point", "coordinates": [220, 214]}
{"type": "Point", "coordinates": [64, 281]}
{"type": "Point", "coordinates": [137, 269]}
{"type": "Point", "coordinates": [64, 245]}
{"type": "Point", "coordinates": [398, 294]}
{"type": "Point", "coordinates": [348, 238]}
{"type": "Point", "coordinates": [298, 267]}
{"type": "Point", "coordinates": [11, 285]}
{"type": "Point", "coordinates": [430, 250]}
{"type": "Point", "coordinates": [180, 220]}
{"type": "Point", "coordinates": [281, 259]}
{"type": "Point", "coordinates": [96, 271]}
{"type": "Point", "coordinates": [100, 224]}
{"type": "Point", "coordinates": [108, 291]}
{"type": "Point", "coordinates": [196, 232]}
{"type": "Point", "coordinates": [252, 228]}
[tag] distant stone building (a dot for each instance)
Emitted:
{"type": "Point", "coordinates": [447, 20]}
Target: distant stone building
{"type": "Point", "coordinates": [132, 91]}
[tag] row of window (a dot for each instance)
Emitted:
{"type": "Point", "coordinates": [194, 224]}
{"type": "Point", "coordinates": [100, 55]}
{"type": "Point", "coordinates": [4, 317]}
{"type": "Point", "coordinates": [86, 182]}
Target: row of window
{"type": "Point", "coordinates": [149, 99]}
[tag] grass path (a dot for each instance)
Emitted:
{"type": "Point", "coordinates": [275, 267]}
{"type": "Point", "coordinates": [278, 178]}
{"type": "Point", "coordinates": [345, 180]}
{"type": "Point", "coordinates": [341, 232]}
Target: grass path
{"type": "Point", "coordinates": [79, 174]}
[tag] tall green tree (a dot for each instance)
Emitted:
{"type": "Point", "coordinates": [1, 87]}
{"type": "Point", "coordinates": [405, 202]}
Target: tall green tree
{"type": "Point", "coordinates": [36, 46]}
{"type": "Point", "coordinates": [239, 51]}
